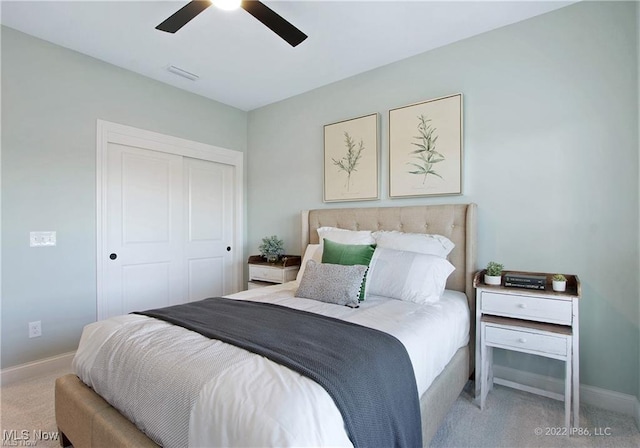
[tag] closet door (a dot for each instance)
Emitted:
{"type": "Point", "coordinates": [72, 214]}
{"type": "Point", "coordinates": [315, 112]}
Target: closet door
{"type": "Point", "coordinates": [169, 229]}
{"type": "Point", "coordinates": [169, 220]}
{"type": "Point", "coordinates": [144, 229]}
{"type": "Point", "coordinates": [209, 200]}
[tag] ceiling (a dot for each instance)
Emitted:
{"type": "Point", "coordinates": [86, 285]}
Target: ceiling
{"type": "Point", "coordinates": [242, 63]}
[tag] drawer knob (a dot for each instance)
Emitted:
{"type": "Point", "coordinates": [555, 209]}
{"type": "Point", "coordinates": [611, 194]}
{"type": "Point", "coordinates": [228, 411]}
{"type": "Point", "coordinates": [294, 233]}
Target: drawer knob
{"type": "Point", "coordinates": [522, 305]}
{"type": "Point", "coordinates": [522, 340]}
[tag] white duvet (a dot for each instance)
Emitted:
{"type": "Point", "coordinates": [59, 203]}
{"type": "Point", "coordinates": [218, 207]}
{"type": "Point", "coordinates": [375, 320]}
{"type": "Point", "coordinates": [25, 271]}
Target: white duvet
{"type": "Point", "coordinates": [215, 394]}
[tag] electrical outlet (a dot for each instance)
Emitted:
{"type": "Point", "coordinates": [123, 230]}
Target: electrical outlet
{"type": "Point", "coordinates": [35, 329]}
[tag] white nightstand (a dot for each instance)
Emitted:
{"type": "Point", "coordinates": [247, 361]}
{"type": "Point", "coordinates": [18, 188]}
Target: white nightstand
{"type": "Point", "coordinates": [538, 322]}
{"type": "Point", "coordinates": [262, 273]}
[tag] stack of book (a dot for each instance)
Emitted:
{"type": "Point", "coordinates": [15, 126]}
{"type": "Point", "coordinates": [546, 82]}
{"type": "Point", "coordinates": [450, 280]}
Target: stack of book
{"type": "Point", "coordinates": [525, 281]}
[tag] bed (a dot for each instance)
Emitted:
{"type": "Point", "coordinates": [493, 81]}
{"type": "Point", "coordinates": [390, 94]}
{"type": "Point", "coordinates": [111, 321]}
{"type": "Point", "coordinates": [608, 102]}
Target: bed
{"type": "Point", "coordinates": [84, 418]}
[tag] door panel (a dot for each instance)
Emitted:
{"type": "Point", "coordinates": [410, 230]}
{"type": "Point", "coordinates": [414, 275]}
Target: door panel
{"type": "Point", "coordinates": [146, 286]}
{"type": "Point", "coordinates": [206, 201]}
{"type": "Point", "coordinates": [209, 213]}
{"type": "Point", "coordinates": [144, 189]}
{"type": "Point", "coordinates": [146, 198]}
{"type": "Point", "coordinates": [205, 278]}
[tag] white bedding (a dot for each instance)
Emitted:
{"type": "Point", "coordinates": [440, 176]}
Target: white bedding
{"type": "Point", "coordinates": [244, 399]}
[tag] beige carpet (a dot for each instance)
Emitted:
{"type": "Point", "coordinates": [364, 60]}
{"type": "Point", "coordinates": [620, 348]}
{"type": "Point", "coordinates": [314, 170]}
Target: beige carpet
{"type": "Point", "coordinates": [27, 414]}
{"type": "Point", "coordinates": [510, 419]}
{"type": "Point", "coordinates": [518, 419]}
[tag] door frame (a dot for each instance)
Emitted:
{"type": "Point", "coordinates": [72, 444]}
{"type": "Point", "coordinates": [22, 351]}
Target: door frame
{"type": "Point", "coordinates": [109, 132]}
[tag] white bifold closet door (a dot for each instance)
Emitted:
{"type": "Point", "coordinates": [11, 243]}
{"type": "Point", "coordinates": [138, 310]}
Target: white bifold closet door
{"type": "Point", "coordinates": [169, 229]}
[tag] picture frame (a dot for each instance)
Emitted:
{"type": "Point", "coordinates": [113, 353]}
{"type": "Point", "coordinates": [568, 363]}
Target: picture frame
{"type": "Point", "coordinates": [351, 160]}
{"type": "Point", "coordinates": [425, 148]}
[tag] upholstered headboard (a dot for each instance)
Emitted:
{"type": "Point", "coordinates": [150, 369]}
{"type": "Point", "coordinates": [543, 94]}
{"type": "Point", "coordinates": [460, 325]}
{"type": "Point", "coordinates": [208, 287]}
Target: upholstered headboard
{"type": "Point", "coordinates": [455, 221]}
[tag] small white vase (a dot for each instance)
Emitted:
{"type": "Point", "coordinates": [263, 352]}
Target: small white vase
{"type": "Point", "coordinates": [495, 280]}
{"type": "Point", "coordinates": [559, 286]}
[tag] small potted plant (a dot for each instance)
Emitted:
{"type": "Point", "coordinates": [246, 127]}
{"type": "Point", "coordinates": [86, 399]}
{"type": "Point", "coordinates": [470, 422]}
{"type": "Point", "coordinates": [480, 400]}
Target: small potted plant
{"type": "Point", "coordinates": [559, 283]}
{"type": "Point", "coordinates": [271, 248]}
{"type": "Point", "coordinates": [493, 273]}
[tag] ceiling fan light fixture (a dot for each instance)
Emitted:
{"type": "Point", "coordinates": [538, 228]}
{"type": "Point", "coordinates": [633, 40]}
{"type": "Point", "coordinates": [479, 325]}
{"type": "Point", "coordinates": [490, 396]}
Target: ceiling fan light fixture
{"type": "Point", "coordinates": [267, 16]}
{"type": "Point", "coordinates": [227, 5]}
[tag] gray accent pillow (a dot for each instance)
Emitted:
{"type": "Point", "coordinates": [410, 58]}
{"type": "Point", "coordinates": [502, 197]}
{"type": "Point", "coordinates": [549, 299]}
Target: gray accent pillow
{"type": "Point", "coordinates": [332, 283]}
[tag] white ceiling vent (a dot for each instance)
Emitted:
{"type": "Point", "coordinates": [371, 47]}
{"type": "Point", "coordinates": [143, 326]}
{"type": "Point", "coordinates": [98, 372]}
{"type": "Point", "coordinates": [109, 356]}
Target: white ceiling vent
{"type": "Point", "coordinates": [180, 72]}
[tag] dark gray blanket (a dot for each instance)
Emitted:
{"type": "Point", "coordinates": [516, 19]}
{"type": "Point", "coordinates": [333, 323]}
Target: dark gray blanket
{"type": "Point", "coordinates": [367, 372]}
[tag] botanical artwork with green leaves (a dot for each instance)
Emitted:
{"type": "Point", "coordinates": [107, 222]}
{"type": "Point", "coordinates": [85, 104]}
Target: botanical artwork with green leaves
{"type": "Point", "coordinates": [426, 157]}
{"type": "Point", "coordinates": [425, 148]}
{"type": "Point", "coordinates": [351, 159]}
{"type": "Point", "coordinates": [349, 163]}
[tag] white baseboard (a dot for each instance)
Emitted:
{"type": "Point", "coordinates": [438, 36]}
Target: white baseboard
{"type": "Point", "coordinates": [594, 396]}
{"type": "Point", "coordinates": [35, 368]}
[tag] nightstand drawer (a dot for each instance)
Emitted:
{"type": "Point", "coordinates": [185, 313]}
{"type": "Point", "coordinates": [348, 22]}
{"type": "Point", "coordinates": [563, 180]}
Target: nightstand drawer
{"type": "Point", "coordinates": [266, 274]}
{"type": "Point", "coordinates": [523, 307]}
{"type": "Point", "coordinates": [525, 341]}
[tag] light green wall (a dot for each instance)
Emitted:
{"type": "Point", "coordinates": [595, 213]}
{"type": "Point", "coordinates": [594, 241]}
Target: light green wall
{"type": "Point", "coordinates": [51, 98]}
{"type": "Point", "coordinates": [638, 74]}
{"type": "Point", "coordinates": [551, 158]}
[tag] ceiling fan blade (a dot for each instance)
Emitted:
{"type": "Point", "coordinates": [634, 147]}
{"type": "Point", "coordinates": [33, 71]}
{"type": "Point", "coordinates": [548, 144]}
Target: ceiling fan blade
{"type": "Point", "coordinates": [274, 21]}
{"type": "Point", "coordinates": [181, 17]}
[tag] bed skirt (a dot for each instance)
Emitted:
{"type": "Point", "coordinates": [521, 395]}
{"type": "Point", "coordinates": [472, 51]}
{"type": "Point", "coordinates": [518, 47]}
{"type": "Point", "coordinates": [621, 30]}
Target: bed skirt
{"type": "Point", "coordinates": [84, 419]}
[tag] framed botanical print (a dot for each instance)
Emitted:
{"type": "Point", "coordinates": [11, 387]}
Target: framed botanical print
{"type": "Point", "coordinates": [425, 148]}
{"type": "Point", "coordinates": [351, 160]}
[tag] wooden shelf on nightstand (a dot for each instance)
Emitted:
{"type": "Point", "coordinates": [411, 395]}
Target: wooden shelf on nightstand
{"type": "Point", "coordinates": [538, 322]}
{"type": "Point", "coordinates": [263, 273]}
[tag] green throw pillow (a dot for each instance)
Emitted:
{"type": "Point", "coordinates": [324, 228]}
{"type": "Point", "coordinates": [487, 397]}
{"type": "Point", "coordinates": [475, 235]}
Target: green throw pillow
{"type": "Point", "coordinates": [348, 255]}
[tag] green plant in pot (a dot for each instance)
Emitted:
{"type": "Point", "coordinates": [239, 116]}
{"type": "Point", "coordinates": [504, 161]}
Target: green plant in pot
{"type": "Point", "coordinates": [272, 248]}
{"type": "Point", "coordinates": [559, 282]}
{"type": "Point", "coordinates": [493, 273]}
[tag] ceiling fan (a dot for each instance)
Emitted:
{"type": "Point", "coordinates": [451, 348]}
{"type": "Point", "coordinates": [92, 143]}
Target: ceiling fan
{"type": "Point", "coordinates": [257, 9]}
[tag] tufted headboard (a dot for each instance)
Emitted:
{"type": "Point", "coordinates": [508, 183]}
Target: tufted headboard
{"type": "Point", "coordinates": [455, 221]}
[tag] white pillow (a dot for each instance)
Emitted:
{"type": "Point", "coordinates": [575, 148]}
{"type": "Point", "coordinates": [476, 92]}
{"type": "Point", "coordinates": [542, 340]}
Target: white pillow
{"type": "Point", "coordinates": [408, 276]}
{"type": "Point", "coordinates": [344, 236]}
{"type": "Point", "coordinates": [422, 243]}
{"type": "Point", "coordinates": [313, 252]}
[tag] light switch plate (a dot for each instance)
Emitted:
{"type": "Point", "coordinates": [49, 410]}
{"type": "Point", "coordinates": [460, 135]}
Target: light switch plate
{"type": "Point", "coordinates": [41, 239]}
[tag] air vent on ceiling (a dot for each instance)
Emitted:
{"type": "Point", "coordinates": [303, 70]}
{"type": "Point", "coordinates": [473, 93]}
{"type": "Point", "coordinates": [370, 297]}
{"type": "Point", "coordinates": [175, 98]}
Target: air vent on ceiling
{"type": "Point", "coordinates": [180, 72]}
